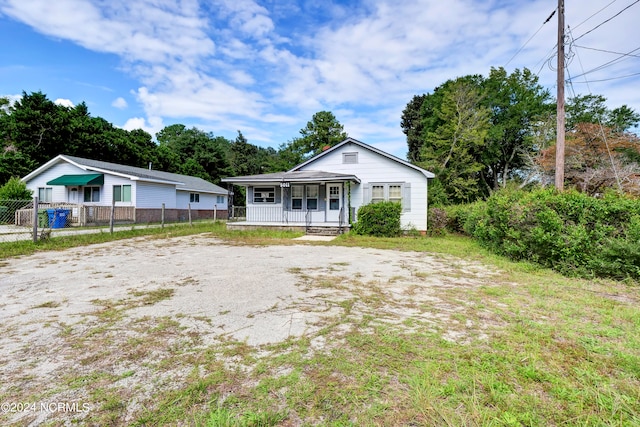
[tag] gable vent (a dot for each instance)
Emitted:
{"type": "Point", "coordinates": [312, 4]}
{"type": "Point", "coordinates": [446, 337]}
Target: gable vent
{"type": "Point", "coordinates": [350, 158]}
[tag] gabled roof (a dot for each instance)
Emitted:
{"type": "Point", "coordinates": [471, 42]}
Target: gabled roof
{"type": "Point", "coordinates": [293, 176]}
{"type": "Point", "coordinates": [425, 172]}
{"type": "Point", "coordinates": [182, 182]}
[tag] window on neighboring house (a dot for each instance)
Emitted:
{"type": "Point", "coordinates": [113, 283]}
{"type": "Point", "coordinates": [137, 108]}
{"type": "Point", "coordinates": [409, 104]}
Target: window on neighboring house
{"type": "Point", "coordinates": [264, 195]}
{"type": "Point", "coordinates": [45, 194]}
{"type": "Point", "coordinates": [121, 193]}
{"type": "Point", "coordinates": [312, 197]}
{"type": "Point", "coordinates": [91, 194]}
{"type": "Point", "coordinates": [194, 197]}
{"type": "Point", "coordinates": [297, 192]}
{"type": "Point", "coordinates": [350, 158]}
{"type": "Point", "coordinates": [220, 200]}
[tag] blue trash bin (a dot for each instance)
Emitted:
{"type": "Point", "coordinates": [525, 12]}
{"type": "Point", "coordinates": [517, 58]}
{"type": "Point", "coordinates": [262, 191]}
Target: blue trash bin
{"type": "Point", "coordinates": [57, 217]}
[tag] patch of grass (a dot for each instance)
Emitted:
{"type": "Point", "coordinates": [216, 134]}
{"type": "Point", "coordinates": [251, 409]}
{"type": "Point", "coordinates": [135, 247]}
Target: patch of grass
{"type": "Point", "coordinates": [154, 296]}
{"type": "Point", "coordinates": [48, 304]}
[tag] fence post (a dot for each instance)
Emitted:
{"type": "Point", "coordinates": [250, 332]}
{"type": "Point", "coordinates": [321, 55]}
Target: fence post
{"type": "Point", "coordinates": [35, 220]}
{"type": "Point", "coordinates": [162, 216]}
{"type": "Point", "coordinates": [189, 209]}
{"type": "Point", "coordinates": [215, 212]}
{"type": "Point", "coordinates": [113, 213]}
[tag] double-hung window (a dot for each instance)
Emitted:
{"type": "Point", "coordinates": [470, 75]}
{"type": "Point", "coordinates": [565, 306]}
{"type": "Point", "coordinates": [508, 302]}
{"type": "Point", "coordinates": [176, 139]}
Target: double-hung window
{"type": "Point", "coordinates": [45, 194]}
{"type": "Point", "coordinates": [312, 197]}
{"type": "Point", "coordinates": [390, 192]}
{"type": "Point", "coordinates": [121, 193]}
{"type": "Point", "coordinates": [297, 193]}
{"type": "Point", "coordinates": [377, 193]}
{"type": "Point", "coordinates": [264, 195]}
{"type": "Point", "coordinates": [91, 194]}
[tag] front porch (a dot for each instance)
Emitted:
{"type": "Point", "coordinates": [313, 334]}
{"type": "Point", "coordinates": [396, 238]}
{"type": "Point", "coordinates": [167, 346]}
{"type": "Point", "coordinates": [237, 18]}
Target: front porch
{"type": "Point", "coordinates": [278, 217]}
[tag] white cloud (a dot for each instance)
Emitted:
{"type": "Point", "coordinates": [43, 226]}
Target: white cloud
{"type": "Point", "coordinates": [232, 65]}
{"type": "Point", "coordinates": [120, 103]}
{"type": "Point", "coordinates": [151, 125]}
{"type": "Point", "coordinates": [64, 102]}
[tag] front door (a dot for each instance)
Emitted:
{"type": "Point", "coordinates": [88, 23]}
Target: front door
{"type": "Point", "coordinates": [334, 202]}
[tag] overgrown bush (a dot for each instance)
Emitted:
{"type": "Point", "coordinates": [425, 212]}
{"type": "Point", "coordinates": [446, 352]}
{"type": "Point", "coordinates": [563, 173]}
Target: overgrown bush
{"type": "Point", "coordinates": [437, 220]}
{"type": "Point", "coordinates": [15, 189]}
{"type": "Point", "coordinates": [570, 232]}
{"type": "Point", "coordinates": [379, 219]}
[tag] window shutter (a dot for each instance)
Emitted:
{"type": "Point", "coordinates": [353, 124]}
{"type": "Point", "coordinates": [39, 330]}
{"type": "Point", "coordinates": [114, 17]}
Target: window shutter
{"type": "Point", "coordinates": [366, 194]}
{"type": "Point", "coordinates": [406, 197]}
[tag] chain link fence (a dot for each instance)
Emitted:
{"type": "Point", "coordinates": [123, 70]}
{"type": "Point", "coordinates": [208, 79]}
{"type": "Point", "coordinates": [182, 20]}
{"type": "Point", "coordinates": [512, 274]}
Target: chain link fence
{"type": "Point", "coordinates": [22, 220]}
{"type": "Point", "coordinates": [14, 225]}
{"type": "Point", "coordinates": [30, 220]}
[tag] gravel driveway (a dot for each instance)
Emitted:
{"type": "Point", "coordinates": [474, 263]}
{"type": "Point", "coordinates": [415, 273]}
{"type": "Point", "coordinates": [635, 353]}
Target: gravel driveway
{"type": "Point", "coordinates": [117, 308]}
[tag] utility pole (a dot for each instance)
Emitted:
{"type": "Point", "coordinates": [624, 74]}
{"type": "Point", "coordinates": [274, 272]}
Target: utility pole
{"type": "Point", "coordinates": [560, 131]}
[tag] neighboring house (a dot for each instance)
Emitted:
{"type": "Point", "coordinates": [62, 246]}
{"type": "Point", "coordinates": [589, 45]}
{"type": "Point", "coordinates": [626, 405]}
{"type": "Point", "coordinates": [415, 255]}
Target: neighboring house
{"type": "Point", "coordinates": [78, 182]}
{"type": "Point", "coordinates": [328, 189]}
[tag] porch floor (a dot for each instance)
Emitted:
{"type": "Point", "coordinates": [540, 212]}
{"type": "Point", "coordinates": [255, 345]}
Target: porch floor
{"type": "Point", "coordinates": [290, 226]}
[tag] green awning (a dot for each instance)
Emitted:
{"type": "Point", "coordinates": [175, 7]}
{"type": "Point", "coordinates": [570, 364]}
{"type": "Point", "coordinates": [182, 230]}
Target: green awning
{"type": "Point", "coordinates": [78, 180]}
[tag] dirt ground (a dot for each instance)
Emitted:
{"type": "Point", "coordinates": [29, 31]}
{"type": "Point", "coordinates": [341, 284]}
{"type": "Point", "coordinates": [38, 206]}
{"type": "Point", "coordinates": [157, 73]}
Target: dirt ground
{"type": "Point", "coordinates": [104, 318]}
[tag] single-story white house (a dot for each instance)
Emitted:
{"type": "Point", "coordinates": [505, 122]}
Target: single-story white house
{"type": "Point", "coordinates": [328, 189]}
{"type": "Point", "coordinates": [78, 182]}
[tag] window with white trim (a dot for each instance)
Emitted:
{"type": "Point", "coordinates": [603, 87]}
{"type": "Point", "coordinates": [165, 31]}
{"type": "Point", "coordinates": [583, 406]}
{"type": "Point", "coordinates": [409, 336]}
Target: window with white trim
{"type": "Point", "coordinates": [220, 200]}
{"type": "Point", "coordinates": [194, 197]}
{"type": "Point", "coordinates": [312, 197]}
{"type": "Point", "coordinates": [91, 194]}
{"type": "Point", "coordinates": [121, 193]}
{"type": "Point", "coordinates": [297, 193]}
{"type": "Point", "coordinates": [264, 195]}
{"type": "Point", "coordinates": [45, 194]}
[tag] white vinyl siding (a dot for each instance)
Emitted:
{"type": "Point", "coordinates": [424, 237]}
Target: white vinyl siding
{"type": "Point", "coordinates": [153, 195]}
{"type": "Point", "coordinates": [373, 168]}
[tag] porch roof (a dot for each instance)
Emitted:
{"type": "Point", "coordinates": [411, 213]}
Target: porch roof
{"type": "Point", "coordinates": [292, 176]}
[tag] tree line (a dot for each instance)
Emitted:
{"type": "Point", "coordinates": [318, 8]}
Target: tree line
{"type": "Point", "coordinates": [479, 134]}
{"type": "Point", "coordinates": [34, 129]}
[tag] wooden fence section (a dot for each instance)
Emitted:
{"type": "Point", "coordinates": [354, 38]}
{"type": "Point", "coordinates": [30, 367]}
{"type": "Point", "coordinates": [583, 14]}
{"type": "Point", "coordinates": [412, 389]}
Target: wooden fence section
{"type": "Point", "coordinates": [88, 215]}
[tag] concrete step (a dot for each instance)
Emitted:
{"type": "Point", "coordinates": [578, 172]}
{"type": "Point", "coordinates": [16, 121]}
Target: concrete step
{"type": "Point", "coordinates": [325, 231]}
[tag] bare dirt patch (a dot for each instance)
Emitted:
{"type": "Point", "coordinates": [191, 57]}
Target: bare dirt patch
{"type": "Point", "coordinates": [105, 329]}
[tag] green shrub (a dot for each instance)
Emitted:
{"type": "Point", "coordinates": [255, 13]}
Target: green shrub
{"type": "Point", "coordinates": [570, 232]}
{"type": "Point", "coordinates": [15, 189]}
{"type": "Point", "coordinates": [379, 219]}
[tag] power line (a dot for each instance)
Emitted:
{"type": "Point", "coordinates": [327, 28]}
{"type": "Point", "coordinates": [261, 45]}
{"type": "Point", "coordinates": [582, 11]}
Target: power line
{"type": "Point", "coordinates": [530, 38]}
{"type": "Point", "coordinates": [605, 21]}
{"type": "Point", "coordinates": [595, 13]}
{"type": "Point", "coordinates": [610, 78]}
{"type": "Point", "coordinates": [608, 51]}
{"type": "Point", "coordinates": [622, 57]}
{"type": "Point", "coordinates": [604, 136]}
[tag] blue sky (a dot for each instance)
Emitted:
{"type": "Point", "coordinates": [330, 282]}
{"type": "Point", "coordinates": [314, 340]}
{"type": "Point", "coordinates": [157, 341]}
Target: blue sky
{"type": "Point", "coordinates": [265, 67]}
